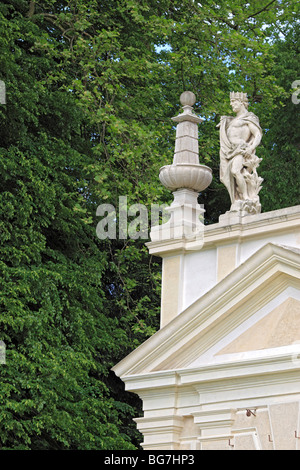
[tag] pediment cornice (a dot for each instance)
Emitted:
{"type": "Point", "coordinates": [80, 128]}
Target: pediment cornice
{"type": "Point", "coordinates": [262, 277]}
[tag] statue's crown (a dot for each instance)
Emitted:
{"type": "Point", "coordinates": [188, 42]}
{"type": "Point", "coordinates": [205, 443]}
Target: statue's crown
{"type": "Point", "coordinates": [236, 95]}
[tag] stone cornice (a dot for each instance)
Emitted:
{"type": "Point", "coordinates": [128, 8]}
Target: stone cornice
{"type": "Point", "coordinates": [251, 226]}
{"type": "Point", "coordinates": [267, 270]}
{"type": "Point", "coordinates": [272, 368]}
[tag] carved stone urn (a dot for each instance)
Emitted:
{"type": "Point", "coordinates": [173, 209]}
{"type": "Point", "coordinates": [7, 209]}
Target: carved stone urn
{"type": "Point", "coordinates": [186, 172]}
{"type": "Point", "coordinates": [185, 177]}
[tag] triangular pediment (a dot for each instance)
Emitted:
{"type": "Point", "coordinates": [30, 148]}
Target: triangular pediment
{"type": "Point", "coordinates": [268, 330]}
{"type": "Point", "coordinates": [255, 308]}
{"type": "Point", "coordinates": [281, 327]}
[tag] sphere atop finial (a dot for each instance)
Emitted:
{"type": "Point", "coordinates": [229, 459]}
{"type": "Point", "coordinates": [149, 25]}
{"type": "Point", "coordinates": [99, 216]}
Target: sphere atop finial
{"type": "Point", "coordinates": [187, 98]}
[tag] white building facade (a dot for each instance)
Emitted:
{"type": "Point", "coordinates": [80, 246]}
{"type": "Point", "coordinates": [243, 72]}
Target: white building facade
{"type": "Point", "coordinates": [223, 371]}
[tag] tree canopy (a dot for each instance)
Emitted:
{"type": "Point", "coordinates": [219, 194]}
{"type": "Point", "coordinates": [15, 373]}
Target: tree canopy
{"type": "Point", "coordinates": [91, 87]}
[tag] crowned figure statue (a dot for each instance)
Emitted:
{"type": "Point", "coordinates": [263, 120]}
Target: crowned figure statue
{"type": "Point", "coordinates": [239, 137]}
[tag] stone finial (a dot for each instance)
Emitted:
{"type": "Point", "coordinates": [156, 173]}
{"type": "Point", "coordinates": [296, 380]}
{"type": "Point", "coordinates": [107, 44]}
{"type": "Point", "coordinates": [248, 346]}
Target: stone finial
{"type": "Point", "coordinates": [185, 177]}
{"type": "Point", "coordinates": [186, 145]}
{"type": "Point", "coordinates": [186, 172]}
{"type": "Point", "coordinates": [187, 98]}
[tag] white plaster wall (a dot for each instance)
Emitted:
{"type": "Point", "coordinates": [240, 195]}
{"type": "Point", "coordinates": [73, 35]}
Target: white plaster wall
{"type": "Point", "coordinates": [199, 268]}
{"type": "Point", "coordinates": [248, 248]}
{"type": "Point", "coordinates": [199, 275]}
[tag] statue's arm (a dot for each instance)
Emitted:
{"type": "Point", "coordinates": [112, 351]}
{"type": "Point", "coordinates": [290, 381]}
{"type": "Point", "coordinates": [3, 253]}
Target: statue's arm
{"type": "Point", "coordinates": [256, 137]}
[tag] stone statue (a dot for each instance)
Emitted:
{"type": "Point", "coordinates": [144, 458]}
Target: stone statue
{"type": "Point", "coordinates": [239, 137]}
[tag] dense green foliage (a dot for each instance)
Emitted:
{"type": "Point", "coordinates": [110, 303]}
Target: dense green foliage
{"type": "Point", "coordinates": [91, 87]}
{"type": "Point", "coordinates": [281, 165]}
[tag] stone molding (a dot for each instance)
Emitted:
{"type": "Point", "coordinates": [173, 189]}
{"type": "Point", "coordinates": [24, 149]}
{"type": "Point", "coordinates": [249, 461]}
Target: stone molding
{"type": "Point", "coordinates": [195, 395]}
{"type": "Point", "coordinates": [266, 273]}
{"type": "Point", "coordinates": [250, 227]}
